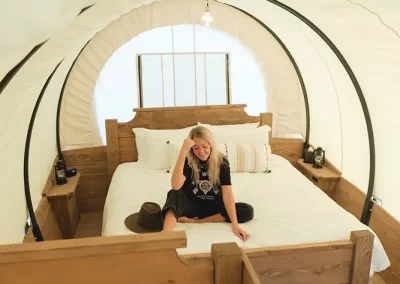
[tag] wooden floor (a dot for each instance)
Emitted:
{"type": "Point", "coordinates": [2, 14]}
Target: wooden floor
{"type": "Point", "coordinates": [89, 225]}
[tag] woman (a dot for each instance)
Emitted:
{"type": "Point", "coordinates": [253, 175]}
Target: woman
{"type": "Point", "coordinates": [201, 187]}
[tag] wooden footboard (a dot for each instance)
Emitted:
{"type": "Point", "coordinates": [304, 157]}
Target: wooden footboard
{"type": "Point", "coordinates": [341, 262]}
{"type": "Point", "coordinates": [140, 259]}
{"type": "Point", "coordinates": [152, 258]}
{"type": "Point", "coordinates": [336, 262]}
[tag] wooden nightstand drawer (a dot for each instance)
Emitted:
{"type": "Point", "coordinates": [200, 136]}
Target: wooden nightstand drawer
{"type": "Point", "coordinates": [325, 178]}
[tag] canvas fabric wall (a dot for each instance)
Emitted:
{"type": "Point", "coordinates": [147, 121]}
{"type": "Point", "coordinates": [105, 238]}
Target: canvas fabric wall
{"type": "Point", "coordinates": [285, 98]}
{"type": "Point", "coordinates": [366, 32]}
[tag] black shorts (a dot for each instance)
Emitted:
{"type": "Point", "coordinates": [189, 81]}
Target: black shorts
{"type": "Point", "coordinates": [183, 206]}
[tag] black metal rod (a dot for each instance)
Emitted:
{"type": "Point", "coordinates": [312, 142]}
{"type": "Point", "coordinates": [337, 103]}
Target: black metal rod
{"type": "Point", "coordinates": [60, 99]}
{"type": "Point", "coordinates": [10, 75]}
{"type": "Point", "coordinates": [367, 204]}
{"type": "Point", "coordinates": [35, 226]}
{"type": "Point", "coordinates": [293, 61]}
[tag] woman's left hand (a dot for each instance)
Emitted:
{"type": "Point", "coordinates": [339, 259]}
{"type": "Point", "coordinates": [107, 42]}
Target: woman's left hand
{"type": "Point", "coordinates": [184, 219]}
{"type": "Point", "coordinates": [242, 234]}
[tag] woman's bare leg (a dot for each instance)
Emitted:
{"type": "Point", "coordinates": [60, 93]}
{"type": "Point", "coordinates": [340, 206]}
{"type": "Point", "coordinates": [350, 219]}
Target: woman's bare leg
{"type": "Point", "coordinates": [169, 221]}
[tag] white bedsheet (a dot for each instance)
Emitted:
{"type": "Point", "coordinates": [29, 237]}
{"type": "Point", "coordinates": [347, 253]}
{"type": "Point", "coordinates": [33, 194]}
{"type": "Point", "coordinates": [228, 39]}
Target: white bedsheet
{"type": "Point", "coordinates": [289, 209]}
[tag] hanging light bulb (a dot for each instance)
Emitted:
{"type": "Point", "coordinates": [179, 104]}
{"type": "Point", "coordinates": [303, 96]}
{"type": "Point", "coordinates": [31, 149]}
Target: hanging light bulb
{"type": "Point", "coordinates": [207, 18]}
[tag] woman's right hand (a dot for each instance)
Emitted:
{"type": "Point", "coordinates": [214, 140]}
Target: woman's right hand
{"type": "Point", "coordinates": [187, 144]}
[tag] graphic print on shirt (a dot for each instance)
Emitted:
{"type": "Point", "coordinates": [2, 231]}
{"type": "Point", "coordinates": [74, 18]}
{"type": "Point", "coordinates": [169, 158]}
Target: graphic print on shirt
{"type": "Point", "coordinates": [204, 186]}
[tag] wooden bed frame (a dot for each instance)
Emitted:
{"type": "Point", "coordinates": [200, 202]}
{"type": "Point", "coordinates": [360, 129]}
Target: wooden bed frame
{"type": "Point", "coordinates": [334, 262]}
{"type": "Point", "coordinates": [152, 258]}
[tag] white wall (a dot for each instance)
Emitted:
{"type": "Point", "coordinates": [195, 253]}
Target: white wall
{"type": "Point", "coordinates": [116, 91]}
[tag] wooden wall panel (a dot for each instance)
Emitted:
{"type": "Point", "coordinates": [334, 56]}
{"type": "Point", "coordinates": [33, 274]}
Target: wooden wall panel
{"type": "Point", "coordinates": [290, 149]}
{"type": "Point", "coordinates": [349, 197]}
{"type": "Point", "coordinates": [95, 180]}
{"type": "Point", "coordinates": [387, 228]}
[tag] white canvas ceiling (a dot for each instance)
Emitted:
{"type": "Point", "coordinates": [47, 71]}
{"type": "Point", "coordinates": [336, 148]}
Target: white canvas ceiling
{"type": "Point", "coordinates": [366, 32]}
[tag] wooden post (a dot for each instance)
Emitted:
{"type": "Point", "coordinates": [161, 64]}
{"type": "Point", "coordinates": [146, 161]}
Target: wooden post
{"type": "Point", "coordinates": [363, 241]}
{"type": "Point", "coordinates": [228, 263]}
{"type": "Point", "coordinates": [112, 145]}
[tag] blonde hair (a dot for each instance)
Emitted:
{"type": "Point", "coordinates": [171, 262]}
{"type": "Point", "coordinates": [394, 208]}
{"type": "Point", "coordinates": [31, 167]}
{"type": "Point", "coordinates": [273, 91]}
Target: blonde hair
{"type": "Point", "coordinates": [215, 159]}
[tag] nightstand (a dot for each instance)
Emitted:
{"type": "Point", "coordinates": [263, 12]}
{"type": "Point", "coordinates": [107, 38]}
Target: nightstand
{"type": "Point", "coordinates": [64, 201]}
{"type": "Point", "coordinates": [325, 178]}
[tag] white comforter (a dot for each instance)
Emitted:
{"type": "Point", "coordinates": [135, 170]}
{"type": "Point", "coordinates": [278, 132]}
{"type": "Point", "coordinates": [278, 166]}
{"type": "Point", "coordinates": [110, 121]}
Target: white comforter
{"type": "Point", "coordinates": [289, 209]}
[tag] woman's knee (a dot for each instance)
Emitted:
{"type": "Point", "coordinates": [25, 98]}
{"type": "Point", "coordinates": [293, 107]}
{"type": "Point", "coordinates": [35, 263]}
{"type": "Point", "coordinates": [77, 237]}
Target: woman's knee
{"type": "Point", "coordinates": [244, 211]}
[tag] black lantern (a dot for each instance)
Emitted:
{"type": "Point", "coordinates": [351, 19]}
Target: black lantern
{"type": "Point", "coordinates": [318, 158]}
{"type": "Point", "coordinates": [59, 171]}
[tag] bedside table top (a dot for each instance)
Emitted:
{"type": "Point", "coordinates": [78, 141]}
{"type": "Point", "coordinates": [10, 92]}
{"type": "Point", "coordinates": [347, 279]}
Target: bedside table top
{"type": "Point", "coordinates": [323, 173]}
{"type": "Point", "coordinates": [64, 190]}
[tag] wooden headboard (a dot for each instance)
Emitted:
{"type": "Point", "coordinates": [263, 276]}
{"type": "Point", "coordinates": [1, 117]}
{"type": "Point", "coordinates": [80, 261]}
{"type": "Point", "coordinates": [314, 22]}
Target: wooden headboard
{"type": "Point", "coordinates": [121, 146]}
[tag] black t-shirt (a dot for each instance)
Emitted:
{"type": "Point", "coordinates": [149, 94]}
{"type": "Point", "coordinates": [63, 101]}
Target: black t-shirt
{"type": "Point", "coordinates": [204, 192]}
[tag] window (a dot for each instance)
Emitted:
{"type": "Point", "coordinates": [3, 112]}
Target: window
{"type": "Point", "coordinates": [179, 65]}
{"type": "Point", "coordinates": [183, 79]}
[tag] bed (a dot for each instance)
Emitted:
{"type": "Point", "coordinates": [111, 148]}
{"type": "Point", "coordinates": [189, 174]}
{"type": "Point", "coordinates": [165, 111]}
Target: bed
{"type": "Point", "coordinates": [290, 212]}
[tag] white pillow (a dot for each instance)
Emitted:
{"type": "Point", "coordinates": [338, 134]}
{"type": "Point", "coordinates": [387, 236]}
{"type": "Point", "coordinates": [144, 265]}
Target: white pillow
{"type": "Point", "coordinates": [247, 133]}
{"type": "Point", "coordinates": [174, 147]}
{"type": "Point", "coordinates": [252, 158]}
{"type": "Point", "coordinates": [140, 139]}
{"type": "Point", "coordinates": [153, 147]}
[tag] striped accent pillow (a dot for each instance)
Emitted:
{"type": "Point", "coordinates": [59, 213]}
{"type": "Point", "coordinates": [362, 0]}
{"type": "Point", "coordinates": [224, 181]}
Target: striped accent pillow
{"type": "Point", "coordinates": [252, 158]}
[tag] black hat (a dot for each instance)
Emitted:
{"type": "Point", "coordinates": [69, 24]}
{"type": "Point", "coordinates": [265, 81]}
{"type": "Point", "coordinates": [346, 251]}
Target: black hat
{"type": "Point", "coordinates": [147, 220]}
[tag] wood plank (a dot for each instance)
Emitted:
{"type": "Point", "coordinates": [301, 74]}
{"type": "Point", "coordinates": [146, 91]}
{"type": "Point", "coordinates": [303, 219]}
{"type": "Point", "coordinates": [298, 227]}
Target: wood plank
{"type": "Point", "coordinates": [362, 256]}
{"type": "Point", "coordinates": [50, 180]}
{"type": "Point", "coordinates": [47, 221]}
{"type": "Point", "coordinates": [85, 156]}
{"type": "Point", "coordinates": [64, 190]}
{"type": "Point", "coordinates": [387, 229]}
{"type": "Point", "coordinates": [92, 193]}
{"type": "Point", "coordinates": [290, 149]}
{"type": "Point", "coordinates": [143, 258]}
{"type": "Point", "coordinates": [152, 267]}
{"type": "Point", "coordinates": [92, 164]}
{"type": "Point", "coordinates": [349, 197]}
{"type": "Point", "coordinates": [90, 187]}
{"type": "Point", "coordinates": [180, 108]}
{"type": "Point", "coordinates": [227, 262]}
{"type": "Point", "coordinates": [128, 150]}
{"type": "Point", "coordinates": [88, 247]}
{"type": "Point", "coordinates": [323, 173]}
{"type": "Point", "coordinates": [112, 145]}
{"type": "Point", "coordinates": [320, 264]}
